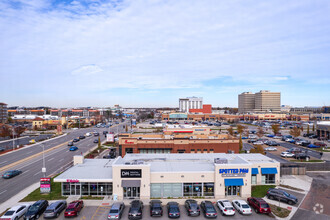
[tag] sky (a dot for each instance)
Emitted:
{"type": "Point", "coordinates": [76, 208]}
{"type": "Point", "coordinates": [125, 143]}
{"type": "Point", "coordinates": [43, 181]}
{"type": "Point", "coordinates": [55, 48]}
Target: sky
{"type": "Point", "coordinates": [150, 53]}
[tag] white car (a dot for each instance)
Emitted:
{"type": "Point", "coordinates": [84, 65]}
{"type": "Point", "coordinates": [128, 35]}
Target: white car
{"type": "Point", "coordinates": [242, 207]}
{"type": "Point", "coordinates": [16, 212]}
{"type": "Point", "coordinates": [258, 143]}
{"type": "Point", "coordinates": [287, 154]}
{"type": "Point", "coordinates": [289, 140]}
{"type": "Point", "coordinates": [277, 137]}
{"type": "Point", "coordinates": [88, 134]}
{"type": "Point", "coordinates": [271, 148]}
{"type": "Point", "coordinates": [225, 207]}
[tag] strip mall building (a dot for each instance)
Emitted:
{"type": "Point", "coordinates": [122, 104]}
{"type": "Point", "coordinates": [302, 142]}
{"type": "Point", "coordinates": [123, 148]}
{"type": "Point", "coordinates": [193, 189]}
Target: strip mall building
{"type": "Point", "coordinates": [148, 176]}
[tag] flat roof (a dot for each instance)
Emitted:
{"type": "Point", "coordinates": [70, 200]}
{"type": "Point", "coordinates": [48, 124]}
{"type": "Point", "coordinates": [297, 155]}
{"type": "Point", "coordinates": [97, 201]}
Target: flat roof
{"type": "Point", "coordinates": [99, 170]}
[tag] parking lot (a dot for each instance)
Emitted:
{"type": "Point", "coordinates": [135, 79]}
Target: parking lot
{"type": "Point", "coordinates": [101, 212]}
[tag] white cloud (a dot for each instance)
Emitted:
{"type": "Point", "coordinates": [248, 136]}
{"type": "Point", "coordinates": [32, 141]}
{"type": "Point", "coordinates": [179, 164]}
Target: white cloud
{"type": "Point", "coordinates": [87, 70]}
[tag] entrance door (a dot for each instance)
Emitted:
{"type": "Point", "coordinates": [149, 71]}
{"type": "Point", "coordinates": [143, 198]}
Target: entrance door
{"type": "Point", "coordinates": [232, 190]}
{"type": "Point", "coordinates": [131, 192]}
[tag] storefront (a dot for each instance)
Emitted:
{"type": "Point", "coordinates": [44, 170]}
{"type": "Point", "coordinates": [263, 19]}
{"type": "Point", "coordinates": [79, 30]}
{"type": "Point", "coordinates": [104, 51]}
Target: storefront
{"type": "Point", "coordinates": [151, 176]}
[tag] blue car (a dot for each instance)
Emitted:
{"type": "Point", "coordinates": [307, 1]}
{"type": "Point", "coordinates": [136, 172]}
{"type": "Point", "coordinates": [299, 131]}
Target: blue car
{"type": "Point", "coordinates": [244, 137]}
{"type": "Point", "coordinates": [73, 148]}
{"type": "Point", "coordinates": [312, 146]}
{"type": "Point", "coordinates": [270, 135]}
{"type": "Point", "coordinates": [11, 173]}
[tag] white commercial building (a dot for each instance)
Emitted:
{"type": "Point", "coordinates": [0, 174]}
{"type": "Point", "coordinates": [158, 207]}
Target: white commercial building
{"type": "Point", "coordinates": [147, 176]}
{"type": "Point", "coordinates": [190, 103]}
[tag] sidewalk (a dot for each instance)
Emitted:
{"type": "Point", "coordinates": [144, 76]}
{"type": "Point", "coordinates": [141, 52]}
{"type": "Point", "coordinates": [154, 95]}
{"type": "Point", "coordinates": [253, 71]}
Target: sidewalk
{"type": "Point", "coordinates": [326, 156]}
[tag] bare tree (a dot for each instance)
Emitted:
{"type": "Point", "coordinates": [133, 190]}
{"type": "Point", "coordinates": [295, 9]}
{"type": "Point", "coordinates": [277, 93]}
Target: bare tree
{"type": "Point", "coordinates": [260, 132]}
{"type": "Point", "coordinates": [240, 129]}
{"type": "Point", "coordinates": [230, 130]}
{"type": "Point", "coordinates": [295, 132]}
{"type": "Point", "coordinates": [258, 149]}
{"type": "Point", "coordinates": [276, 128]}
{"type": "Point", "coordinates": [5, 131]}
{"type": "Point", "coordinates": [19, 130]}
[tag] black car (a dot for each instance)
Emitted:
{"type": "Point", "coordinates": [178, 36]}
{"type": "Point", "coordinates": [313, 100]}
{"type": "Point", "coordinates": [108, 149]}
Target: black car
{"type": "Point", "coordinates": [173, 210]}
{"type": "Point", "coordinates": [156, 208]}
{"type": "Point", "coordinates": [278, 194]}
{"type": "Point", "coordinates": [192, 207]}
{"type": "Point", "coordinates": [96, 141]}
{"type": "Point", "coordinates": [105, 132]}
{"type": "Point", "coordinates": [11, 173]}
{"type": "Point", "coordinates": [96, 134]}
{"type": "Point", "coordinates": [82, 137]}
{"type": "Point", "coordinates": [313, 136]}
{"type": "Point", "coordinates": [208, 209]}
{"type": "Point", "coordinates": [75, 140]}
{"type": "Point", "coordinates": [135, 211]}
{"type": "Point", "coordinates": [55, 209]}
{"type": "Point", "coordinates": [36, 210]}
{"type": "Point", "coordinates": [70, 144]}
{"type": "Point", "coordinates": [301, 156]}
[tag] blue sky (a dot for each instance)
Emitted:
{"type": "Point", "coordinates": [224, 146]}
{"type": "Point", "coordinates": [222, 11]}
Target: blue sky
{"type": "Point", "coordinates": [151, 52]}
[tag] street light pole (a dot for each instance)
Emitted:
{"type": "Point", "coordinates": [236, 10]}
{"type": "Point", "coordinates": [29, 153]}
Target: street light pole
{"type": "Point", "coordinates": [43, 160]}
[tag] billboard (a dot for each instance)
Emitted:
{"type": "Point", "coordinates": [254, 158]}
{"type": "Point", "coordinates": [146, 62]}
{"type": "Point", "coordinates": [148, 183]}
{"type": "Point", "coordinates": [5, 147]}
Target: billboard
{"type": "Point", "coordinates": [110, 137]}
{"type": "Point", "coordinates": [45, 185]}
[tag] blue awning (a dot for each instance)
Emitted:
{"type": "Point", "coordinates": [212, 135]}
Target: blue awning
{"type": "Point", "coordinates": [255, 171]}
{"type": "Point", "coordinates": [271, 170]}
{"type": "Point", "coordinates": [234, 182]}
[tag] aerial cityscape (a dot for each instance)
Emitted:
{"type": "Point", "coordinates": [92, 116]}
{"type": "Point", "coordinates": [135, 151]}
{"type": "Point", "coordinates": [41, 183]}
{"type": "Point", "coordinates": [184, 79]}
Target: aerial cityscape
{"type": "Point", "coordinates": [164, 109]}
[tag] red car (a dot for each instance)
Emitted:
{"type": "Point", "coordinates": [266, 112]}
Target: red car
{"type": "Point", "coordinates": [74, 208]}
{"type": "Point", "coordinates": [259, 205]}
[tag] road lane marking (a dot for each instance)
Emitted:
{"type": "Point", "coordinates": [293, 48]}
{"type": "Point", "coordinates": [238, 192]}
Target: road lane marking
{"type": "Point", "coordinates": [3, 162]}
{"type": "Point", "coordinates": [29, 152]}
{"type": "Point", "coordinates": [3, 192]}
{"type": "Point", "coordinates": [61, 160]}
{"type": "Point", "coordinates": [51, 159]}
{"type": "Point", "coordinates": [36, 173]}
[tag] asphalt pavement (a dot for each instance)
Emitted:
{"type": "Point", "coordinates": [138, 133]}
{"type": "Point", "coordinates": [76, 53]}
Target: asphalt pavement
{"type": "Point", "coordinates": [55, 160]}
{"type": "Point", "coordinates": [9, 144]}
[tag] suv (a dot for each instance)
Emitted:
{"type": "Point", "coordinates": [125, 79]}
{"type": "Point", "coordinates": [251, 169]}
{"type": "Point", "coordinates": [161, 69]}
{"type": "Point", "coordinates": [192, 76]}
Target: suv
{"type": "Point", "coordinates": [192, 207]}
{"type": "Point", "coordinates": [135, 212]}
{"type": "Point", "coordinates": [116, 210]}
{"type": "Point", "coordinates": [208, 209]}
{"type": "Point", "coordinates": [36, 210]}
{"type": "Point", "coordinates": [74, 208]}
{"type": "Point", "coordinates": [156, 208]}
{"type": "Point", "coordinates": [55, 209]}
{"type": "Point", "coordinates": [226, 207]}
{"type": "Point", "coordinates": [281, 195]}
{"type": "Point", "coordinates": [259, 205]}
{"type": "Point", "coordinates": [300, 156]}
{"type": "Point", "coordinates": [319, 143]}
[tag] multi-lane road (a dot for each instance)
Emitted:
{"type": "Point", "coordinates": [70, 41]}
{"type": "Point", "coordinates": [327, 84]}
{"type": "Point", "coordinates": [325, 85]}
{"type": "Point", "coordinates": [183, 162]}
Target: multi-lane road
{"type": "Point", "coordinates": [57, 156]}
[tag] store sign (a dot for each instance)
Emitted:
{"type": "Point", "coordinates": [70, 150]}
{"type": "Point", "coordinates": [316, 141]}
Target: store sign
{"type": "Point", "coordinates": [110, 137]}
{"type": "Point", "coordinates": [45, 185]}
{"type": "Point", "coordinates": [131, 173]}
{"type": "Point", "coordinates": [72, 181]}
{"type": "Point", "coordinates": [234, 172]}
{"type": "Point", "coordinates": [129, 142]}
{"type": "Point", "coordinates": [200, 129]}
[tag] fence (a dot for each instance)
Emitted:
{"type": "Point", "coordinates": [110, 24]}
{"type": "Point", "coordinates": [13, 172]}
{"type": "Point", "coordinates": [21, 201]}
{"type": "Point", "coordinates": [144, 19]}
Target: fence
{"type": "Point", "coordinates": [293, 170]}
{"type": "Point", "coordinates": [300, 169]}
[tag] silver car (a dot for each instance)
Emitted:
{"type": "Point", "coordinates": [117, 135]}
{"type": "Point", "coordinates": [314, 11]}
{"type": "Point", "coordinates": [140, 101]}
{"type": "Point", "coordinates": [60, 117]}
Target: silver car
{"type": "Point", "coordinates": [55, 209]}
{"type": "Point", "coordinates": [116, 210]}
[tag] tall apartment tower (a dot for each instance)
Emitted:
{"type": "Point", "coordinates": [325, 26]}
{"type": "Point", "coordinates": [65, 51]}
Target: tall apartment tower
{"type": "Point", "coordinates": [3, 113]}
{"type": "Point", "coordinates": [246, 102]}
{"type": "Point", "coordinates": [190, 103]}
{"type": "Point", "coordinates": [266, 101]}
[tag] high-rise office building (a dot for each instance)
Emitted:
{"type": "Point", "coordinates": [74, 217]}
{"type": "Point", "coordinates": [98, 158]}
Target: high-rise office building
{"type": "Point", "coordinates": [3, 113]}
{"type": "Point", "coordinates": [190, 103]}
{"type": "Point", "coordinates": [263, 101]}
{"type": "Point", "coordinates": [246, 102]}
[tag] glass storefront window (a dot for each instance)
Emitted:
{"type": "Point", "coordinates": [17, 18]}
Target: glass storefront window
{"type": "Point", "coordinates": [268, 178]}
{"type": "Point", "coordinates": [156, 190]}
{"type": "Point", "coordinates": [167, 190]}
{"type": "Point", "coordinates": [187, 189]}
{"type": "Point", "coordinates": [108, 190]}
{"type": "Point", "coordinates": [65, 189]}
{"type": "Point", "coordinates": [208, 189]}
{"type": "Point", "coordinates": [254, 179]}
{"type": "Point", "coordinates": [197, 189]}
{"type": "Point", "coordinates": [84, 189]}
{"type": "Point", "coordinates": [101, 189]}
{"type": "Point", "coordinates": [93, 188]}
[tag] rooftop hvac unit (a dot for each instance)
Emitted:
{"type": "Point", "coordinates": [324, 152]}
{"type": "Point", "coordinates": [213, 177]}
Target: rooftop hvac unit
{"type": "Point", "coordinates": [137, 162]}
{"type": "Point", "coordinates": [220, 161]}
{"type": "Point", "coordinates": [127, 163]}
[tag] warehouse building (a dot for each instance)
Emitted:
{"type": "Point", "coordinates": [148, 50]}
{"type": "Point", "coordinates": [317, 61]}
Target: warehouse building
{"type": "Point", "coordinates": [148, 176]}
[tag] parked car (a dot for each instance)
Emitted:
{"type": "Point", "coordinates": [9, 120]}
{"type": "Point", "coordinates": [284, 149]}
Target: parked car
{"type": "Point", "coordinates": [281, 195]}
{"type": "Point", "coordinates": [313, 146]}
{"type": "Point", "coordinates": [271, 149]}
{"type": "Point", "coordinates": [135, 211]}
{"type": "Point", "coordinates": [319, 143]}
{"type": "Point", "coordinates": [81, 137]}
{"type": "Point", "coordinates": [259, 205]}
{"type": "Point", "coordinates": [284, 137]}
{"type": "Point", "coordinates": [88, 134]}
{"type": "Point", "coordinates": [173, 210]}
{"type": "Point", "coordinates": [301, 156]}
{"type": "Point", "coordinates": [73, 148]}
{"type": "Point", "coordinates": [258, 143]}
{"type": "Point", "coordinates": [277, 137]}
{"type": "Point", "coordinates": [290, 140]}
{"type": "Point", "coordinates": [15, 212]}
{"type": "Point", "coordinates": [313, 136]}
{"type": "Point", "coordinates": [252, 140]}
{"type": "Point", "coordinates": [270, 135]}
{"type": "Point", "coordinates": [55, 209]}
{"type": "Point", "coordinates": [75, 140]}
{"type": "Point", "coordinates": [286, 154]}
{"type": "Point", "coordinates": [294, 150]}
{"type": "Point", "coordinates": [11, 173]}
{"type": "Point", "coordinates": [273, 143]}
{"type": "Point", "coordinates": [2, 149]}
{"type": "Point", "coordinates": [225, 207]}
{"type": "Point", "coordinates": [192, 207]}
{"type": "Point", "coordinates": [74, 208]}
{"type": "Point", "coordinates": [156, 208]}
{"type": "Point", "coordinates": [242, 207]}
{"type": "Point", "coordinates": [116, 210]}
{"type": "Point", "coordinates": [70, 144]}
{"type": "Point", "coordinates": [208, 209]}
{"type": "Point", "coordinates": [36, 210]}
{"type": "Point", "coordinates": [96, 134]}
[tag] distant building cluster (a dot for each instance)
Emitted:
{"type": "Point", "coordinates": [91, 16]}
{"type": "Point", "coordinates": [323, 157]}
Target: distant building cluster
{"type": "Point", "coordinates": [263, 101]}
